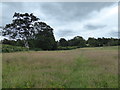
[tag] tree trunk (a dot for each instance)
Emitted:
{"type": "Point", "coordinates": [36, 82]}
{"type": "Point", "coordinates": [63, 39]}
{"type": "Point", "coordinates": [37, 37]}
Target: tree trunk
{"type": "Point", "coordinates": [26, 44]}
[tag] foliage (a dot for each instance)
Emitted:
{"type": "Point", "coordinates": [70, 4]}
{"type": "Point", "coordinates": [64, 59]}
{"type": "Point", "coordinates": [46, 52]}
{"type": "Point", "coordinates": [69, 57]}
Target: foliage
{"type": "Point", "coordinates": [67, 48]}
{"type": "Point", "coordinates": [35, 49]}
{"type": "Point", "coordinates": [63, 42]}
{"type": "Point", "coordinates": [21, 27]}
{"type": "Point", "coordinates": [44, 39]}
{"type": "Point", "coordinates": [103, 42]}
{"type": "Point", "coordinates": [9, 48]}
{"type": "Point", "coordinates": [13, 42]}
{"type": "Point", "coordinates": [47, 42]}
{"type": "Point", "coordinates": [28, 28]}
{"type": "Point", "coordinates": [91, 42]}
{"type": "Point", "coordinates": [76, 41]}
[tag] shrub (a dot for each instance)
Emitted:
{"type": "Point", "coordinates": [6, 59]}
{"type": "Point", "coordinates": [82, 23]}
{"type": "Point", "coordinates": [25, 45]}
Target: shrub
{"type": "Point", "coordinates": [36, 49]}
{"type": "Point", "coordinates": [67, 48]}
{"type": "Point", "coordinates": [9, 48]}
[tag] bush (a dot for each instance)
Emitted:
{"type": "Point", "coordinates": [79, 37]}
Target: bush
{"type": "Point", "coordinates": [9, 48]}
{"type": "Point", "coordinates": [36, 49]}
{"type": "Point", "coordinates": [67, 48]}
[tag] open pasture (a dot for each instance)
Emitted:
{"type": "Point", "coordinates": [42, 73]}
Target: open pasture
{"type": "Point", "coordinates": [78, 68]}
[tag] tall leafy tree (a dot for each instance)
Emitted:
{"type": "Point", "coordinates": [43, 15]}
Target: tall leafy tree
{"type": "Point", "coordinates": [34, 33]}
{"type": "Point", "coordinates": [44, 38]}
{"type": "Point", "coordinates": [22, 27]}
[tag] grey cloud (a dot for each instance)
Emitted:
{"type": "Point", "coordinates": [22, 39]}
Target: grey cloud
{"type": "Point", "coordinates": [63, 12]}
{"type": "Point", "coordinates": [63, 33]}
{"type": "Point", "coordinates": [93, 27]}
{"type": "Point", "coordinates": [68, 11]}
{"type": "Point", "coordinates": [56, 14]}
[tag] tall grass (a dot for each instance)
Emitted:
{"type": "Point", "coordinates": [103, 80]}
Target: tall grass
{"type": "Point", "coordinates": [80, 68]}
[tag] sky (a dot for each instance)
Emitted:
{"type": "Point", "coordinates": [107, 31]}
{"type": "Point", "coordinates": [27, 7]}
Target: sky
{"type": "Point", "coordinates": [69, 19]}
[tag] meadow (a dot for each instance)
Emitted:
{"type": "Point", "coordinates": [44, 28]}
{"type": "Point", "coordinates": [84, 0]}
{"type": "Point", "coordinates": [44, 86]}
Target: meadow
{"type": "Point", "coordinates": [95, 67]}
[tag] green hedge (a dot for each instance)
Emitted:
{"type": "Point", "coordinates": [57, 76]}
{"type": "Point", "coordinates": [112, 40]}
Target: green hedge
{"type": "Point", "coordinates": [67, 48]}
{"type": "Point", "coordinates": [9, 48]}
{"type": "Point", "coordinates": [35, 49]}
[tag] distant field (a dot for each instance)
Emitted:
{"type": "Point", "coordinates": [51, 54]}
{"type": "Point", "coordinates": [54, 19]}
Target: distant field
{"type": "Point", "coordinates": [78, 68]}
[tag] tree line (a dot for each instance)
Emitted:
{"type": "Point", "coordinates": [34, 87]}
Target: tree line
{"type": "Point", "coordinates": [77, 41]}
{"type": "Point", "coordinates": [91, 42]}
{"type": "Point", "coordinates": [27, 30]}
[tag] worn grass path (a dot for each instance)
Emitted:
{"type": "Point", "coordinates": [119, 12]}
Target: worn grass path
{"type": "Point", "coordinates": [79, 68]}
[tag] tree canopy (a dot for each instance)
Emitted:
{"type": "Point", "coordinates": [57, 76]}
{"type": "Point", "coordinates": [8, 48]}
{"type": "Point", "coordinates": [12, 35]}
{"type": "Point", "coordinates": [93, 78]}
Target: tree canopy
{"type": "Point", "coordinates": [29, 28]}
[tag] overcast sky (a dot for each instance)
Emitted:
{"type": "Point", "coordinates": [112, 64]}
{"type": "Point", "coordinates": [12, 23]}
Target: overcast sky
{"type": "Point", "coordinates": [70, 19]}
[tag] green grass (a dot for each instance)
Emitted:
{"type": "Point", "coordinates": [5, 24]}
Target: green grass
{"type": "Point", "coordinates": [79, 68]}
{"type": "Point", "coordinates": [111, 47]}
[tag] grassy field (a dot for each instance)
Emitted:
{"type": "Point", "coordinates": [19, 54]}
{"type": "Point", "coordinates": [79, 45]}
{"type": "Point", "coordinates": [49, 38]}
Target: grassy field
{"type": "Point", "coordinates": [78, 68]}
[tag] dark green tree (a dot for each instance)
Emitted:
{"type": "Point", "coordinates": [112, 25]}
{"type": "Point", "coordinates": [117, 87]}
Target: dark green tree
{"type": "Point", "coordinates": [44, 38]}
{"type": "Point", "coordinates": [77, 41]}
{"type": "Point", "coordinates": [63, 42]}
{"type": "Point", "coordinates": [92, 42]}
